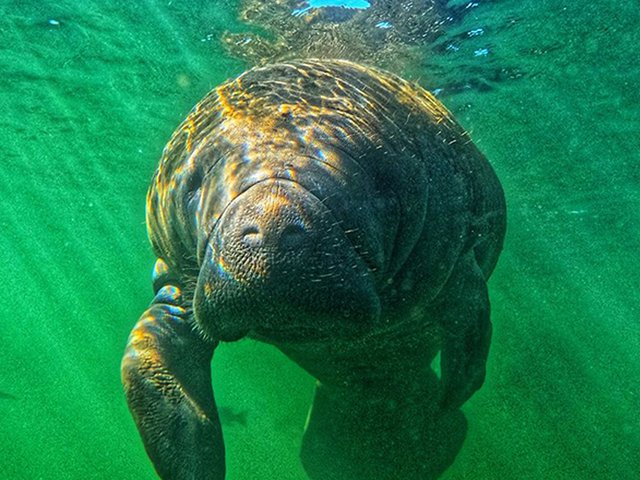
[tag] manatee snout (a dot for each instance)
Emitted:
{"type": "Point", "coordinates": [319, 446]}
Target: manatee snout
{"type": "Point", "coordinates": [279, 265]}
{"type": "Point", "coordinates": [270, 220]}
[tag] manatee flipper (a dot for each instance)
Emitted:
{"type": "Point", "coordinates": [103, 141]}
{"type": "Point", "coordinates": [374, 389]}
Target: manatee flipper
{"type": "Point", "coordinates": [465, 321]}
{"type": "Point", "coordinates": [166, 373]}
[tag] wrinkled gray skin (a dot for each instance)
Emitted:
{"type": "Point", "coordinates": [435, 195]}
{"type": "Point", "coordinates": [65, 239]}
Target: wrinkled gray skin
{"type": "Point", "coordinates": [340, 214]}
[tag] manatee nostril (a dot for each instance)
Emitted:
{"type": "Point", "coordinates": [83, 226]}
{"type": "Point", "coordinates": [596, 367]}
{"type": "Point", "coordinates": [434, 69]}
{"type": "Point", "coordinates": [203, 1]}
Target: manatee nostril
{"type": "Point", "coordinates": [251, 236]}
{"type": "Point", "coordinates": [292, 236]}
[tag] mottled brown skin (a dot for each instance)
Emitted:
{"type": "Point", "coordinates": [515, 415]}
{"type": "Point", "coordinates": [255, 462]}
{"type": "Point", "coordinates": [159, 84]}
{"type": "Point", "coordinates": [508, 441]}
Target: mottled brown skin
{"type": "Point", "coordinates": [341, 214]}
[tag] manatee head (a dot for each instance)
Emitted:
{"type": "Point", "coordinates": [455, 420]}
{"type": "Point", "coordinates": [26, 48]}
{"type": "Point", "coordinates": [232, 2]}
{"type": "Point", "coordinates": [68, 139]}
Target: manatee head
{"type": "Point", "coordinates": [279, 265]}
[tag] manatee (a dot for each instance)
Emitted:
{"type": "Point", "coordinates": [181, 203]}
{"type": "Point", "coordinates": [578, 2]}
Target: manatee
{"type": "Point", "coordinates": [342, 215]}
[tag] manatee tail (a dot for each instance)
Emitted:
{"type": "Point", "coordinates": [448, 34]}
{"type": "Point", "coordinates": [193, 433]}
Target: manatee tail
{"type": "Point", "coordinates": [166, 373]}
{"type": "Point", "coordinates": [381, 430]}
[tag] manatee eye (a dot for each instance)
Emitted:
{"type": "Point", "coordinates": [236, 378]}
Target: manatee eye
{"type": "Point", "coordinates": [194, 183]}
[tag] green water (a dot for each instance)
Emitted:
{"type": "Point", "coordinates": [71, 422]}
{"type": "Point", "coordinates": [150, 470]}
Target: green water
{"type": "Point", "coordinates": [87, 105]}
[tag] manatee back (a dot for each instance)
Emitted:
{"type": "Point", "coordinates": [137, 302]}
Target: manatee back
{"type": "Point", "coordinates": [380, 131]}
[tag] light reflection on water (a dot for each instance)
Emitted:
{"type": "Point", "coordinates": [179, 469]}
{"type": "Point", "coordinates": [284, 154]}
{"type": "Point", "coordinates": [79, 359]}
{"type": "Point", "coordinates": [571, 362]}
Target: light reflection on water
{"type": "Point", "coordinates": [311, 4]}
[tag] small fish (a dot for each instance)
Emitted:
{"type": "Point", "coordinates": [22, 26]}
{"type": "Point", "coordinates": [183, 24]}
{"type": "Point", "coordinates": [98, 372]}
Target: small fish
{"type": "Point", "coordinates": [229, 416]}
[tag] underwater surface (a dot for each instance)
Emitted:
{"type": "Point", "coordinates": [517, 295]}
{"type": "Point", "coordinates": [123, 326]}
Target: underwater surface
{"type": "Point", "coordinates": [91, 91]}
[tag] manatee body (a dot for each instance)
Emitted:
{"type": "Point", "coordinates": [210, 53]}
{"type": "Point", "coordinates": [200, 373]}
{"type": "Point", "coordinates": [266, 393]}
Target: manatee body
{"type": "Point", "coordinates": [341, 214]}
